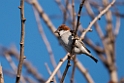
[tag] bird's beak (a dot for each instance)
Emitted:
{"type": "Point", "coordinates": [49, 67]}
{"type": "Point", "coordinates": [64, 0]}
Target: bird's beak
{"type": "Point", "coordinates": [56, 31]}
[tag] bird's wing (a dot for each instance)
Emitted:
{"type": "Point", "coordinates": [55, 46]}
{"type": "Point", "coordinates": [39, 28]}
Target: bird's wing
{"type": "Point", "coordinates": [77, 38]}
{"type": "Point", "coordinates": [84, 46]}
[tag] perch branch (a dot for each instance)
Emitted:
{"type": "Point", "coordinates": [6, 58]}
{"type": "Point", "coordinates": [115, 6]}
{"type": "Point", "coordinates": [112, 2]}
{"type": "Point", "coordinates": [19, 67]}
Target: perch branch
{"type": "Point", "coordinates": [66, 69]}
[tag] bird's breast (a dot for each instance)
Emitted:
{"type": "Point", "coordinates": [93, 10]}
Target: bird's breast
{"type": "Point", "coordinates": [66, 41]}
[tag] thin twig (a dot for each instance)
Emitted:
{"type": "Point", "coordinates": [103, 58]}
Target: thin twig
{"type": "Point", "coordinates": [60, 5]}
{"type": "Point", "coordinates": [96, 18]}
{"type": "Point", "coordinates": [44, 16]}
{"type": "Point", "coordinates": [65, 12]}
{"type": "Point", "coordinates": [117, 28]}
{"type": "Point", "coordinates": [96, 48]}
{"type": "Point", "coordinates": [13, 66]}
{"type": "Point", "coordinates": [73, 23]}
{"type": "Point", "coordinates": [21, 42]}
{"type": "Point", "coordinates": [29, 67]}
{"type": "Point", "coordinates": [73, 70]}
{"type": "Point", "coordinates": [66, 69]}
{"type": "Point", "coordinates": [10, 61]}
{"type": "Point", "coordinates": [109, 46]}
{"type": "Point", "coordinates": [83, 71]}
{"type": "Point", "coordinates": [57, 68]}
{"type": "Point", "coordinates": [29, 80]}
{"type": "Point", "coordinates": [73, 14]}
{"type": "Point", "coordinates": [92, 15]}
{"type": "Point", "coordinates": [79, 14]}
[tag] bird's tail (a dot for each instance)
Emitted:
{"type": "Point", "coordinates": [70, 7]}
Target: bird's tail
{"type": "Point", "coordinates": [92, 57]}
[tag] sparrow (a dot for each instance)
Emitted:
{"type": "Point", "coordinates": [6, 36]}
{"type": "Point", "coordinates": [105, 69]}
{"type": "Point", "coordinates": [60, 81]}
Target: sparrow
{"type": "Point", "coordinates": [71, 43]}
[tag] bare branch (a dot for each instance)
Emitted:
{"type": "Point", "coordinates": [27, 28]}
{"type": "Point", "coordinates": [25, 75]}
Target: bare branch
{"type": "Point", "coordinates": [96, 18]}
{"type": "Point", "coordinates": [73, 13]}
{"type": "Point", "coordinates": [96, 48]}
{"type": "Point", "coordinates": [29, 80]}
{"type": "Point", "coordinates": [60, 5]}
{"type": "Point", "coordinates": [30, 69]}
{"type": "Point", "coordinates": [109, 46]}
{"type": "Point", "coordinates": [13, 66]}
{"type": "Point", "coordinates": [57, 68]}
{"type": "Point", "coordinates": [48, 46]}
{"type": "Point", "coordinates": [79, 14]}
{"type": "Point", "coordinates": [73, 70]}
{"type": "Point", "coordinates": [92, 15]}
{"type": "Point", "coordinates": [65, 12]}
{"type": "Point", "coordinates": [84, 71]}
{"type": "Point", "coordinates": [44, 16]}
{"type": "Point", "coordinates": [21, 41]}
{"type": "Point", "coordinates": [66, 69]}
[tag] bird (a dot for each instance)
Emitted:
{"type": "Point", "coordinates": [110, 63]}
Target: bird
{"type": "Point", "coordinates": [72, 44]}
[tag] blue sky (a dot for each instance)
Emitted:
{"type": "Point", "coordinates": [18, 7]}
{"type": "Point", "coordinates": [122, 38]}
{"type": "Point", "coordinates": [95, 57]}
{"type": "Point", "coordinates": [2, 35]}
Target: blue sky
{"type": "Point", "coordinates": [35, 50]}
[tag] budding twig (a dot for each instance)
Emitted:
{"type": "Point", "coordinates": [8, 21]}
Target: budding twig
{"type": "Point", "coordinates": [21, 42]}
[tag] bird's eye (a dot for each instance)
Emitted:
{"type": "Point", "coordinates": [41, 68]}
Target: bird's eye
{"type": "Point", "coordinates": [60, 29]}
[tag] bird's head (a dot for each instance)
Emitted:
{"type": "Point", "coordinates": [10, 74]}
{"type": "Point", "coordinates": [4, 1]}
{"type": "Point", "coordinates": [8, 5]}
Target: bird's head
{"type": "Point", "coordinates": [62, 29]}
